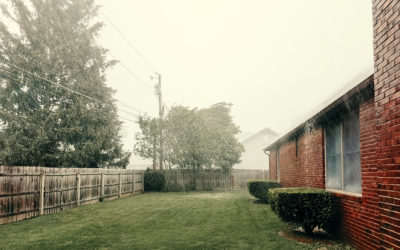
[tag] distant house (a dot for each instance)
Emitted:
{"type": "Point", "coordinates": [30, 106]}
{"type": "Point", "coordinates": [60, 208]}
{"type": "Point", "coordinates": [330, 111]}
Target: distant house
{"type": "Point", "coordinates": [253, 157]}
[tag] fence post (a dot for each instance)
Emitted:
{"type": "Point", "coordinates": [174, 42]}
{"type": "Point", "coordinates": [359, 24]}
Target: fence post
{"type": "Point", "coordinates": [232, 182]}
{"type": "Point", "coordinates": [133, 182]}
{"type": "Point", "coordinates": [41, 192]}
{"type": "Point", "coordinates": [120, 185]}
{"type": "Point", "coordinates": [78, 189]}
{"type": "Point", "coordinates": [102, 187]}
{"type": "Point", "coordinates": [142, 182]}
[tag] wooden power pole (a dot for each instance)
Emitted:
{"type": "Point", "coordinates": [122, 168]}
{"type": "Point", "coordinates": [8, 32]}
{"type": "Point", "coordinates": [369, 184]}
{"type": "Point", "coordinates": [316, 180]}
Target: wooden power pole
{"type": "Point", "coordinates": [160, 114]}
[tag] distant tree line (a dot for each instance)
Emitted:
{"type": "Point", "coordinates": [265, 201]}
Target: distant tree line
{"type": "Point", "coordinates": [191, 138]}
{"type": "Point", "coordinates": [41, 123]}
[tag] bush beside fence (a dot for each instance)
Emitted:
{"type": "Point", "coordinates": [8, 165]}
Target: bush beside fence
{"type": "Point", "coordinates": [26, 192]}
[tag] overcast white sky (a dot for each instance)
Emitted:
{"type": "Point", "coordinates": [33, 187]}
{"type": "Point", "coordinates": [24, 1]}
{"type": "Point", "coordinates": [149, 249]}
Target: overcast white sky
{"type": "Point", "coordinates": [273, 60]}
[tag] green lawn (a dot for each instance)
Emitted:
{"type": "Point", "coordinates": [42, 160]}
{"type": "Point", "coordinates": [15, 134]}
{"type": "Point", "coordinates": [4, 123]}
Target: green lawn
{"type": "Point", "coordinates": [203, 220]}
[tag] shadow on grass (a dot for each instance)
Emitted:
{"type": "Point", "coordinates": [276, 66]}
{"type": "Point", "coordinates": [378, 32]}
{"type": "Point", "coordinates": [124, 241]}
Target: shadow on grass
{"type": "Point", "coordinates": [299, 236]}
{"type": "Point", "coordinates": [259, 202]}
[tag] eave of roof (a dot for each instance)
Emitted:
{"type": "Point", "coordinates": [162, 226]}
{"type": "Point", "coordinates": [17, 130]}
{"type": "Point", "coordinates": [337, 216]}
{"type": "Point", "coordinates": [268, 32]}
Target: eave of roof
{"type": "Point", "coordinates": [355, 86]}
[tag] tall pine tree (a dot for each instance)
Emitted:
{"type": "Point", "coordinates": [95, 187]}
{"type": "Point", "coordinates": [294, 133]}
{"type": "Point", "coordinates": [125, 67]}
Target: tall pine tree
{"type": "Point", "coordinates": [41, 123]}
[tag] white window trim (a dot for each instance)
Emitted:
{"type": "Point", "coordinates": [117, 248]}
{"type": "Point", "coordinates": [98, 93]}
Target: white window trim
{"type": "Point", "coordinates": [344, 192]}
{"type": "Point", "coordinates": [341, 152]}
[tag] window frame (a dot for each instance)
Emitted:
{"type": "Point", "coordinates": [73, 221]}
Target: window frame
{"type": "Point", "coordinates": [340, 121]}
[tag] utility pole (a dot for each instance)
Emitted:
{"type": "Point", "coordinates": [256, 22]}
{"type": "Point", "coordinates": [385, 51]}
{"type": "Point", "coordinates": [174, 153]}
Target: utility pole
{"type": "Point", "coordinates": [160, 113]}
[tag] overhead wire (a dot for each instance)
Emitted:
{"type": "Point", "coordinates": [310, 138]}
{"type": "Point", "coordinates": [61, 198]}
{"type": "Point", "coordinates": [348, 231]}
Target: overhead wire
{"type": "Point", "coordinates": [56, 84]}
{"type": "Point", "coordinates": [137, 52]}
{"type": "Point", "coordinates": [19, 81]}
{"type": "Point", "coordinates": [118, 115]}
{"type": "Point", "coordinates": [118, 61]}
{"type": "Point", "coordinates": [129, 106]}
{"type": "Point", "coordinates": [127, 119]}
{"type": "Point", "coordinates": [122, 64]}
{"type": "Point", "coordinates": [133, 74]}
{"type": "Point", "coordinates": [129, 43]}
{"type": "Point", "coordinates": [49, 81]}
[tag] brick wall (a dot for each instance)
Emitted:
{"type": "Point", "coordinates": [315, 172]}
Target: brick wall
{"type": "Point", "coordinates": [311, 159]}
{"type": "Point", "coordinates": [288, 164]}
{"type": "Point", "coordinates": [305, 169]}
{"type": "Point", "coordinates": [272, 165]}
{"type": "Point", "coordinates": [359, 216]}
{"type": "Point", "coordinates": [386, 20]}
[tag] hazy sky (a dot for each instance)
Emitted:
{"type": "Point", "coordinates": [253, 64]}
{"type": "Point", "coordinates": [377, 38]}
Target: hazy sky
{"type": "Point", "coordinates": [273, 60]}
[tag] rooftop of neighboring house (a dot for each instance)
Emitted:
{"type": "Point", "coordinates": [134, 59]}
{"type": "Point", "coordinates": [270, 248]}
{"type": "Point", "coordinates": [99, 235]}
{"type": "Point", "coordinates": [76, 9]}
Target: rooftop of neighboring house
{"type": "Point", "coordinates": [264, 131]}
{"type": "Point", "coordinates": [355, 92]}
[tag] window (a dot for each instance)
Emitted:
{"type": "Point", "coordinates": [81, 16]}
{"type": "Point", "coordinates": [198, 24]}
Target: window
{"type": "Point", "coordinates": [343, 169]}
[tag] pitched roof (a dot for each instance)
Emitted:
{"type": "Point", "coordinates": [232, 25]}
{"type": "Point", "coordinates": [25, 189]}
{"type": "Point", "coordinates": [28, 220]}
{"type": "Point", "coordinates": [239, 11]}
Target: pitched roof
{"type": "Point", "coordinates": [353, 87]}
{"type": "Point", "coordinates": [265, 130]}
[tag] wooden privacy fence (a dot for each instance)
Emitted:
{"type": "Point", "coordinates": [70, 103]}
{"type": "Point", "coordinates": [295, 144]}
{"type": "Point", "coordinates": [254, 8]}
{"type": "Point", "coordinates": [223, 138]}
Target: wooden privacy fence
{"type": "Point", "coordinates": [30, 191]}
{"type": "Point", "coordinates": [184, 180]}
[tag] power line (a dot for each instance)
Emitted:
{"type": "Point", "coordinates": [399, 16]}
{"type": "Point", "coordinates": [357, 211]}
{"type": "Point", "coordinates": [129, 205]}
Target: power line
{"type": "Point", "coordinates": [129, 43]}
{"type": "Point", "coordinates": [126, 119]}
{"type": "Point", "coordinates": [127, 112]}
{"type": "Point", "coordinates": [122, 106]}
{"type": "Point", "coordinates": [128, 106]}
{"type": "Point", "coordinates": [59, 85]}
{"type": "Point", "coordinates": [137, 52]}
{"type": "Point", "coordinates": [49, 81]}
{"type": "Point", "coordinates": [119, 116]}
{"type": "Point", "coordinates": [133, 74]}
{"type": "Point", "coordinates": [124, 66]}
{"type": "Point", "coordinates": [21, 81]}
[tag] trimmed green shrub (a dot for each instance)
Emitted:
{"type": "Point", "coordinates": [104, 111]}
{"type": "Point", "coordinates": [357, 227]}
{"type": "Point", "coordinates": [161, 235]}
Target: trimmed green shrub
{"type": "Point", "coordinates": [306, 207]}
{"type": "Point", "coordinates": [259, 188]}
{"type": "Point", "coordinates": [154, 180]}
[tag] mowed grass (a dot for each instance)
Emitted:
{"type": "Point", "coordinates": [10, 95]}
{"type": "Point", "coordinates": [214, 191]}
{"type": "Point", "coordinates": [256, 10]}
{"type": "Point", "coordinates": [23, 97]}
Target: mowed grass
{"type": "Point", "coordinates": [197, 220]}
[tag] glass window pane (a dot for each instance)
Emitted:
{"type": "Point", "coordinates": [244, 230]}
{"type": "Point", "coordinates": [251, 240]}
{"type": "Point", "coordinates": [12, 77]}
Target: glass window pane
{"type": "Point", "coordinates": [352, 172]}
{"type": "Point", "coordinates": [334, 172]}
{"type": "Point", "coordinates": [333, 158]}
{"type": "Point", "coordinates": [351, 154]}
{"type": "Point", "coordinates": [333, 140]}
{"type": "Point", "coordinates": [351, 134]}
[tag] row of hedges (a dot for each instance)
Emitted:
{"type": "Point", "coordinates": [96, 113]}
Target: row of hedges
{"type": "Point", "coordinates": [306, 207]}
{"type": "Point", "coordinates": [259, 188]}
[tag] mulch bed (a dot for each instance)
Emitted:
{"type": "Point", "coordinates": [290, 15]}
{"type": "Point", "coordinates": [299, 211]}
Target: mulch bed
{"type": "Point", "coordinates": [318, 236]}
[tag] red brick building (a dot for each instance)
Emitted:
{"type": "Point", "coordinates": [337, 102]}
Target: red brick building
{"type": "Point", "coordinates": [351, 146]}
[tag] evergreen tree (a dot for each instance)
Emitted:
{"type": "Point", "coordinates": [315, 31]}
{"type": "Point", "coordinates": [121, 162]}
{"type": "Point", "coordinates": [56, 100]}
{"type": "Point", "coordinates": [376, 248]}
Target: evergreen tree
{"type": "Point", "coordinates": [42, 123]}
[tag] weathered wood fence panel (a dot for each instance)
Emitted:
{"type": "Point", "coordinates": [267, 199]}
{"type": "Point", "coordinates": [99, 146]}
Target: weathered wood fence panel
{"type": "Point", "coordinates": [185, 180]}
{"type": "Point", "coordinates": [26, 192]}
